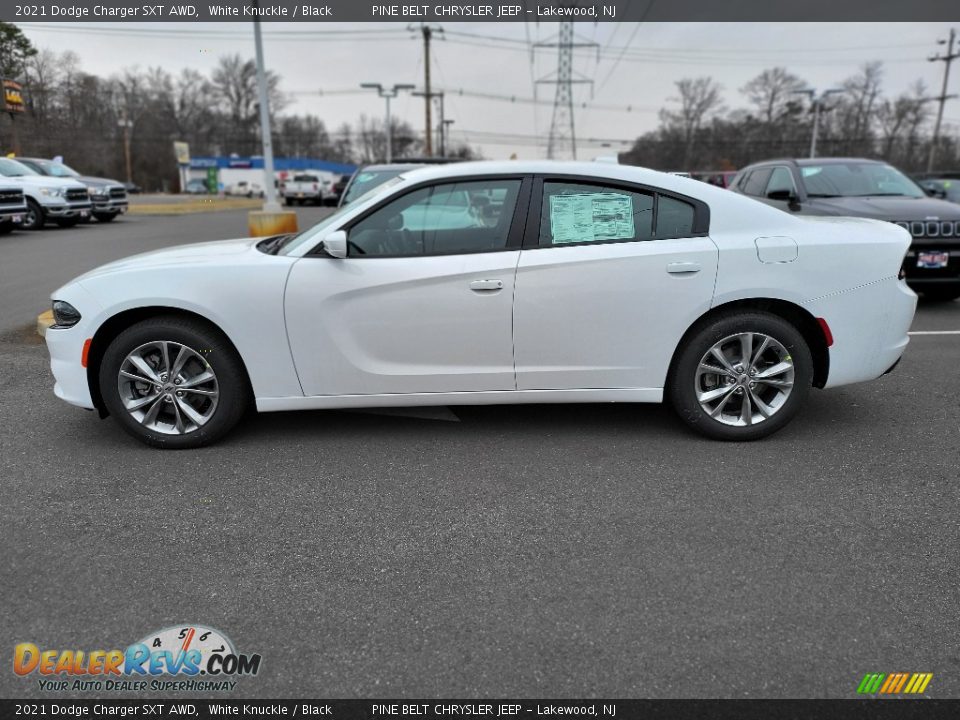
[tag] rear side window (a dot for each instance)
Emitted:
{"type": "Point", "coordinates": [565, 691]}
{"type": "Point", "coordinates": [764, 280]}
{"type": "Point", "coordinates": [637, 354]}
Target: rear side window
{"type": "Point", "coordinates": [586, 213]}
{"type": "Point", "coordinates": [756, 183]}
{"type": "Point", "coordinates": [577, 213]}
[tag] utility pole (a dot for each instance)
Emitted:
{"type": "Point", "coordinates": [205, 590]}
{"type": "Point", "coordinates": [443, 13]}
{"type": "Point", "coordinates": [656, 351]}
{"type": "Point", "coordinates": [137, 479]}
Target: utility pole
{"type": "Point", "coordinates": [562, 141]}
{"type": "Point", "coordinates": [269, 191]}
{"type": "Point", "coordinates": [430, 96]}
{"type": "Point", "coordinates": [387, 94]}
{"type": "Point", "coordinates": [816, 102]}
{"type": "Point", "coordinates": [946, 60]}
{"type": "Point", "coordinates": [427, 32]}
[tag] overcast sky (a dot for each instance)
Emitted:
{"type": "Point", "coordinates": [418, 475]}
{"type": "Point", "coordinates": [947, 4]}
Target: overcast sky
{"type": "Point", "coordinates": [637, 68]}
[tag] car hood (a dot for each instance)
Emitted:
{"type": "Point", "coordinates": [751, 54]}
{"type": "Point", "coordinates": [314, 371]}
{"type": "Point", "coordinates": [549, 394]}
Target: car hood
{"type": "Point", "coordinates": [42, 181]}
{"type": "Point", "coordinates": [91, 181]}
{"type": "Point", "coordinates": [886, 208]}
{"type": "Point", "coordinates": [195, 254]}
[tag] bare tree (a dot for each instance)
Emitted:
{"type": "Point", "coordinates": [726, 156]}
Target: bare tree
{"type": "Point", "coordinates": [699, 99]}
{"type": "Point", "coordinates": [772, 91]}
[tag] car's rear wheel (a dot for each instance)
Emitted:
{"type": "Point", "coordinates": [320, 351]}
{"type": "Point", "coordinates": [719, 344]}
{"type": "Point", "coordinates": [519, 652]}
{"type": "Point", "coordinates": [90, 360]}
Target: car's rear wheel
{"type": "Point", "coordinates": [173, 383]}
{"type": "Point", "coordinates": [741, 376]}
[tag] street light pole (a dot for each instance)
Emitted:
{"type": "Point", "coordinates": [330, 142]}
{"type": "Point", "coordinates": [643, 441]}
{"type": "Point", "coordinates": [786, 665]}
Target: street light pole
{"type": "Point", "coordinates": [269, 191]}
{"type": "Point", "coordinates": [817, 102]}
{"type": "Point", "coordinates": [387, 94]}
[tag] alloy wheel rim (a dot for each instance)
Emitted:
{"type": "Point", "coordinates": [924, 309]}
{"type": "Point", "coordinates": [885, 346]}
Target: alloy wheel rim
{"type": "Point", "coordinates": [168, 387]}
{"type": "Point", "coordinates": [744, 379]}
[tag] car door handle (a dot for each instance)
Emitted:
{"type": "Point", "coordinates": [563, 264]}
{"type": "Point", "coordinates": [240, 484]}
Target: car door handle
{"type": "Point", "coordinates": [486, 285]}
{"type": "Point", "coordinates": [683, 268]}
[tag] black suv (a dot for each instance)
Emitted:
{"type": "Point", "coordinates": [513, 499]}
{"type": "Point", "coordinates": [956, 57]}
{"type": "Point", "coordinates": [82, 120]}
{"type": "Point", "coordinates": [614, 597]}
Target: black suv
{"type": "Point", "coordinates": [855, 187]}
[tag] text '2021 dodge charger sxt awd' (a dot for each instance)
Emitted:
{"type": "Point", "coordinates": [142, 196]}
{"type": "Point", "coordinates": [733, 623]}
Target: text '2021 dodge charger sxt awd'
{"type": "Point", "coordinates": [495, 282]}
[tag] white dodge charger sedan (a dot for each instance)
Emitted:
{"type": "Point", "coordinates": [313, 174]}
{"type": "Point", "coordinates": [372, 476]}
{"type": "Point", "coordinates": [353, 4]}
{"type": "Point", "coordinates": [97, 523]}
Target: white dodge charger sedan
{"type": "Point", "coordinates": [494, 282]}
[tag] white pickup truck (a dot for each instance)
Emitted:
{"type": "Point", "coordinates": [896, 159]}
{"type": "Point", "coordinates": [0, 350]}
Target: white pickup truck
{"type": "Point", "coordinates": [13, 207]}
{"type": "Point", "coordinates": [308, 187]}
{"type": "Point", "coordinates": [61, 200]}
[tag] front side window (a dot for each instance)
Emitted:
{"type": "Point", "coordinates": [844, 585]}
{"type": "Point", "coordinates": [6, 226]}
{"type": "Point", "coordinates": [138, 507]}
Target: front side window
{"type": "Point", "coordinates": [445, 219]}
{"type": "Point", "coordinates": [577, 213]}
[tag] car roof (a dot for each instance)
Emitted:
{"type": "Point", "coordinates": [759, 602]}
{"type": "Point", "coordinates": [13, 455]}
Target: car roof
{"type": "Point", "coordinates": [390, 166]}
{"type": "Point", "coordinates": [802, 162]}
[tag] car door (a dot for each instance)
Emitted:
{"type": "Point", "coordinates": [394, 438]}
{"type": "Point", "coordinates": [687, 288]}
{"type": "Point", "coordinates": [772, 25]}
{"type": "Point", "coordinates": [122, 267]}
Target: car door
{"type": "Point", "coordinates": [423, 301]}
{"type": "Point", "coordinates": [609, 279]}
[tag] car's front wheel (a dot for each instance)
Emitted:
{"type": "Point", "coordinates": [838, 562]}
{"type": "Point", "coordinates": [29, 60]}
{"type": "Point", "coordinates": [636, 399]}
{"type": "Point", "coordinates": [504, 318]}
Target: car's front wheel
{"type": "Point", "coordinates": [105, 217]}
{"type": "Point", "coordinates": [942, 294]}
{"type": "Point", "coordinates": [173, 382]}
{"type": "Point", "coordinates": [741, 376]}
{"type": "Point", "coordinates": [35, 218]}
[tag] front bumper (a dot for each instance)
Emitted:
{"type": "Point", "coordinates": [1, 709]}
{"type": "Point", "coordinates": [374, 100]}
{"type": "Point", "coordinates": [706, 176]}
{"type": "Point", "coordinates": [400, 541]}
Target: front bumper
{"type": "Point", "coordinates": [65, 346]}
{"type": "Point", "coordinates": [68, 210]}
{"type": "Point", "coordinates": [108, 205]}
{"type": "Point", "coordinates": [14, 215]}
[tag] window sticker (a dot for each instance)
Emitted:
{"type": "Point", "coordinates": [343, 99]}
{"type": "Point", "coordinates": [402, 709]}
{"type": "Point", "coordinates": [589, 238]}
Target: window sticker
{"type": "Point", "coordinates": [587, 217]}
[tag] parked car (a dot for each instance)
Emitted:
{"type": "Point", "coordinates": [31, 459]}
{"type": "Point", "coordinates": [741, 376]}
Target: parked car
{"type": "Point", "coordinates": [132, 188]}
{"type": "Point", "coordinates": [308, 187]}
{"type": "Point", "coordinates": [339, 185]}
{"type": "Point", "coordinates": [572, 282]}
{"type": "Point", "coordinates": [13, 208]}
{"type": "Point", "coordinates": [196, 186]}
{"type": "Point", "coordinates": [720, 178]}
{"type": "Point", "coordinates": [854, 187]}
{"type": "Point", "coordinates": [943, 188]}
{"type": "Point", "coordinates": [64, 201]}
{"type": "Point", "coordinates": [244, 188]}
{"type": "Point", "coordinates": [109, 197]}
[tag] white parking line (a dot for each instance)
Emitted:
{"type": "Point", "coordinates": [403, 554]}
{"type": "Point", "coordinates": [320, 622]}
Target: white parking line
{"type": "Point", "coordinates": [935, 332]}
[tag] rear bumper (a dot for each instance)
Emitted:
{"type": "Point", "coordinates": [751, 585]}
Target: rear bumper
{"type": "Point", "coordinates": [870, 326]}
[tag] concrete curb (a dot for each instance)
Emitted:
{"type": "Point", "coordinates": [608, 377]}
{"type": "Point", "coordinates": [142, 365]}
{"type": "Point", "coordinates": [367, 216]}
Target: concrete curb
{"type": "Point", "coordinates": [188, 208]}
{"type": "Point", "coordinates": [44, 320]}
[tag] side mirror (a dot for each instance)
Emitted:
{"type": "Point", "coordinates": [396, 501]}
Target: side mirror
{"type": "Point", "coordinates": [785, 195]}
{"type": "Point", "coordinates": [935, 192]}
{"type": "Point", "coordinates": [335, 244]}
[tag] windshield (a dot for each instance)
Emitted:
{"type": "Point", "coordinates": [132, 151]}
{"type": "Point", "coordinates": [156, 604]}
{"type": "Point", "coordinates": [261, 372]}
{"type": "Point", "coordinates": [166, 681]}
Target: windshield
{"type": "Point", "coordinates": [311, 235]}
{"type": "Point", "coordinates": [366, 180]}
{"type": "Point", "coordinates": [305, 178]}
{"type": "Point", "coordinates": [11, 168]}
{"type": "Point", "coordinates": [54, 169]}
{"type": "Point", "coordinates": [857, 180]}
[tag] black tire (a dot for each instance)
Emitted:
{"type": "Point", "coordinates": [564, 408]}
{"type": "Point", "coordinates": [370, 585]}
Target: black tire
{"type": "Point", "coordinates": [682, 382]}
{"type": "Point", "coordinates": [35, 218]}
{"type": "Point", "coordinates": [946, 294]}
{"type": "Point", "coordinates": [6, 227]}
{"type": "Point", "coordinates": [231, 379]}
{"type": "Point", "coordinates": [67, 222]}
{"type": "Point", "coordinates": [105, 217]}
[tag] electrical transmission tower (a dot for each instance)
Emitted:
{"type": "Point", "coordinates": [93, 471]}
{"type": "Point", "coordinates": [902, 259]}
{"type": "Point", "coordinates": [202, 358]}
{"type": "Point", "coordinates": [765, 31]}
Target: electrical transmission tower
{"type": "Point", "coordinates": [562, 143]}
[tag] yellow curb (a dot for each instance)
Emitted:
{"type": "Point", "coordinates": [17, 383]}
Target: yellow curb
{"type": "Point", "coordinates": [44, 320]}
{"type": "Point", "coordinates": [186, 208]}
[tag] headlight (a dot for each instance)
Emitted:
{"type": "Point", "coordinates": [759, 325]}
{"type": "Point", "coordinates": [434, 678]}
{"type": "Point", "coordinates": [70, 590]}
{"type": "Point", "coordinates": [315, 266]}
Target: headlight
{"type": "Point", "coordinates": [52, 191]}
{"type": "Point", "coordinates": [65, 314]}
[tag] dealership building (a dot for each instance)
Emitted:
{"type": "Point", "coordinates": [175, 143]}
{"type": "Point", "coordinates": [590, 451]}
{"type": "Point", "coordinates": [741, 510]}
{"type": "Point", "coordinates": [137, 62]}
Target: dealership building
{"type": "Point", "coordinates": [233, 169]}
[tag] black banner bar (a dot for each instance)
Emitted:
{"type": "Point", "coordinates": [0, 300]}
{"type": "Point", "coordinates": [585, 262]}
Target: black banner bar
{"type": "Point", "coordinates": [478, 11]}
{"type": "Point", "coordinates": [865, 709]}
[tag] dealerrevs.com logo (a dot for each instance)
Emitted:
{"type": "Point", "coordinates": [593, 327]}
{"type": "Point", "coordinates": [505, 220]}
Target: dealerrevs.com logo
{"type": "Point", "coordinates": [198, 658]}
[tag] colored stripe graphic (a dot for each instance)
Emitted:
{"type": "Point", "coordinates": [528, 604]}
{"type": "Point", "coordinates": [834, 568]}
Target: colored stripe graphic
{"type": "Point", "coordinates": [894, 683]}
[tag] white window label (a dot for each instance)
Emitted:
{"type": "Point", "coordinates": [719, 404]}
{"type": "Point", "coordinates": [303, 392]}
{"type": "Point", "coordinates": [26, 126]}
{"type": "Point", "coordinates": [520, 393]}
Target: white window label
{"type": "Point", "coordinates": [588, 217]}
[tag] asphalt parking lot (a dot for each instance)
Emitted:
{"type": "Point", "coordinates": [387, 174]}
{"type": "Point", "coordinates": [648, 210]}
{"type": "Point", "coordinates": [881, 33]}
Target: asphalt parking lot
{"type": "Point", "coordinates": [531, 551]}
